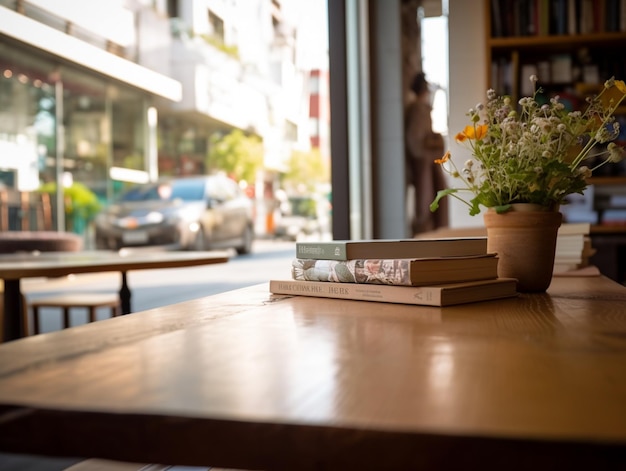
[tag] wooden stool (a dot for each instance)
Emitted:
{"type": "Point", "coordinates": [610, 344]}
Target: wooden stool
{"type": "Point", "coordinates": [91, 301]}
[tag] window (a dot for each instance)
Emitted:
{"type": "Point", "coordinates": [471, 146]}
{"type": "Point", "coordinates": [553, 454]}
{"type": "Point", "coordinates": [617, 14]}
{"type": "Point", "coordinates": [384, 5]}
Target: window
{"type": "Point", "coordinates": [173, 8]}
{"type": "Point", "coordinates": [314, 84]}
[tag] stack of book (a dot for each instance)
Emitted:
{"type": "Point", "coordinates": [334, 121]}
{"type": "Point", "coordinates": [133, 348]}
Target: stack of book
{"type": "Point", "coordinates": [431, 272]}
{"type": "Point", "coordinates": [573, 247]}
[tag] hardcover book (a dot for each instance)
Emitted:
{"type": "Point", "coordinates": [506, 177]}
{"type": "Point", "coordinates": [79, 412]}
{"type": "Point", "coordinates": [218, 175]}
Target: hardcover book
{"type": "Point", "coordinates": [388, 248]}
{"type": "Point", "coordinates": [435, 295]}
{"type": "Point", "coordinates": [397, 271]}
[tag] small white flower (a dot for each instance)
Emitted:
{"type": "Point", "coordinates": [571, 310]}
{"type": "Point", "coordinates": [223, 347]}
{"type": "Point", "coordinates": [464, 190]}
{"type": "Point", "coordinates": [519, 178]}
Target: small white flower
{"type": "Point", "coordinates": [616, 153]}
{"type": "Point", "coordinates": [584, 171]}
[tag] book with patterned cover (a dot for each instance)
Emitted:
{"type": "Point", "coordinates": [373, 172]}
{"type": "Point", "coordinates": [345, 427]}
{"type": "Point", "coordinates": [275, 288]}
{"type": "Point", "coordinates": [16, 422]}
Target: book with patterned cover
{"type": "Point", "coordinates": [397, 271]}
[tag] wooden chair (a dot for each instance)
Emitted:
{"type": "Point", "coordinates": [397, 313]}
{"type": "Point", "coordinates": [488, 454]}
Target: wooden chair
{"type": "Point", "coordinates": [25, 211]}
{"type": "Point", "coordinates": [66, 302]}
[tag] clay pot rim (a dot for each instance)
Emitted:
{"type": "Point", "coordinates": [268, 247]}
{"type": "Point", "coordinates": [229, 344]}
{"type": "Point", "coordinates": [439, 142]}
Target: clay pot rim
{"type": "Point", "coordinates": [528, 207]}
{"type": "Point", "coordinates": [521, 219]}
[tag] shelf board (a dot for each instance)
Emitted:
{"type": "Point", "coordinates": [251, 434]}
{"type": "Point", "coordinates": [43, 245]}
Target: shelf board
{"type": "Point", "coordinates": [542, 41]}
{"type": "Point", "coordinates": [608, 229]}
{"type": "Point", "coordinates": [611, 180]}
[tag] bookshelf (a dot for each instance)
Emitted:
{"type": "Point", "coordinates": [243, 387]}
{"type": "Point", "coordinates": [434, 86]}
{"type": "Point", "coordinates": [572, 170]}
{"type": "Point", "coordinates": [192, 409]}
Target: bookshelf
{"type": "Point", "coordinates": [568, 44]}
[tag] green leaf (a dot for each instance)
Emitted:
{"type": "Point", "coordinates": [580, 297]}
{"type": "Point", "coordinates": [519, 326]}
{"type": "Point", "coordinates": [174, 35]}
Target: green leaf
{"type": "Point", "coordinates": [440, 194]}
{"type": "Point", "coordinates": [502, 208]}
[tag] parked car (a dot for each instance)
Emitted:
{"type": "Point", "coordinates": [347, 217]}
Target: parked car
{"type": "Point", "coordinates": [194, 213]}
{"type": "Point", "coordinates": [298, 216]}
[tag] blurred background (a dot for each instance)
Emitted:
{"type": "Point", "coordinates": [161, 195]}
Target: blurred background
{"type": "Point", "coordinates": [98, 96]}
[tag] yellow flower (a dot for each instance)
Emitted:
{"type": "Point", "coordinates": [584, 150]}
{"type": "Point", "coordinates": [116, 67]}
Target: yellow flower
{"type": "Point", "coordinates": [444, 159]}
{"type": "Point", "coordinates": [472, 132]}
{"type": "Point", "coordinates": [613, 95]}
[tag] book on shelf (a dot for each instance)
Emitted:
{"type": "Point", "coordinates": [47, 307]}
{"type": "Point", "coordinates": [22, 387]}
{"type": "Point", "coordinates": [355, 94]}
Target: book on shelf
{"type": "Point", "coordinates": [391, 248]}
{"type": "Point", "coordinates": [570, 246]}
{"type": "Point", "coordinates": [516, 18]}
{"type": "Point", "coordinates": [398, 271]}
{"type": "Point", "coordinates": [431, 295]}
{"type": "Point", "coordinates": [589, 270]}
{"type": "Point", "coordinates": [576, 228]}
{"type": "Point", "coordinates": [573, 247]}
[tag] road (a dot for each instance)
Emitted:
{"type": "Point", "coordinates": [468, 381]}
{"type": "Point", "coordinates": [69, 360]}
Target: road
{"type": "Point", "coordinates": [155, 288]}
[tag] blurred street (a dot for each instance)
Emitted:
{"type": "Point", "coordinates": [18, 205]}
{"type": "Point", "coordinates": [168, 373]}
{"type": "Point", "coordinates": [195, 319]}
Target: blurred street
{"type": "Point", "coordinates": [155, 288]}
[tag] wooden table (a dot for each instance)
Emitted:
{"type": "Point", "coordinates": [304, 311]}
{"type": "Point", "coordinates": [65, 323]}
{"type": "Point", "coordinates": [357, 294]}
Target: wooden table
{"type": "Point", "coordinates": [247, 380]}
{"type": "Point", "coordinates": [14, 267]}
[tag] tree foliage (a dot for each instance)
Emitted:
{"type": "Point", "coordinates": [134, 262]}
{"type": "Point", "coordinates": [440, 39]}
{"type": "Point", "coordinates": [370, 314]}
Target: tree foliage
{"type": "Point", "coordinates": [237, 154]}
{"type": "Point", "coordinates": [305, 170]}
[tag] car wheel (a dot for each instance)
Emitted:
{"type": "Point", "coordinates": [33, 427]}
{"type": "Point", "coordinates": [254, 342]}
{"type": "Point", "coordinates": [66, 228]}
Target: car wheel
{"type": "Point", "coordinates": [199, 242]}
{"type": "Point", "coordinates": [246, 246]}
{"type": "Point", "coordinates": [107, 244]}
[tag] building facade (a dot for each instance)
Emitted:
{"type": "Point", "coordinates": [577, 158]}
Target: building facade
{"type": "Point", "coordinates": [109, 93]}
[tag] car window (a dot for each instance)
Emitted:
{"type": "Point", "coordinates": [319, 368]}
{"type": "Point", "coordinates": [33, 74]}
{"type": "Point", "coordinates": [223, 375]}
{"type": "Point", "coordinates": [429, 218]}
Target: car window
{"type": "Point", "coordinates": [300, 206]}
{"type": "Point", "coordinates": [221, 189]}
{"type": "Point", "coordinates": [140, 193]}
{"type": "Point", "coordinates": [230, 188]}
{"type": "Point", "coordinates": [188, 190]}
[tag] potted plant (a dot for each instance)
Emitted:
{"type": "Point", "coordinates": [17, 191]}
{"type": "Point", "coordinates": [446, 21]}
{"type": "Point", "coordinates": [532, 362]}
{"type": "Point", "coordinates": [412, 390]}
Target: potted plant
{"type": "Point", "coordinates": [526, 159]}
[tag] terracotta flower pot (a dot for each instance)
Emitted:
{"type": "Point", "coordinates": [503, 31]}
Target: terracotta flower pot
{"type": "Point", "coordinates": [525, 242]}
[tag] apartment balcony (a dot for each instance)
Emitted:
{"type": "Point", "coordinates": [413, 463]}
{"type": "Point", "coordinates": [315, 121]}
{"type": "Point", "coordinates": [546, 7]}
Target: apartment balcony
{"type": "Point", "coordinates": [216, 85]}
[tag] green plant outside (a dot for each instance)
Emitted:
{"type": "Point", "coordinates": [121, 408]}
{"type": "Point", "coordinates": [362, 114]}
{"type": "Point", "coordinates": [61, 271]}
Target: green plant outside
{"type": "Point", "coordinates": [237, 154]}
{"type": "Point", "coordinates": [81, 205]}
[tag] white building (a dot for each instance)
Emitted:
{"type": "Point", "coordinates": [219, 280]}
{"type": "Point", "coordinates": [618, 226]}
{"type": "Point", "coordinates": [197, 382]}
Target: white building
{"type": "Point", "coordinates": [132, 89]}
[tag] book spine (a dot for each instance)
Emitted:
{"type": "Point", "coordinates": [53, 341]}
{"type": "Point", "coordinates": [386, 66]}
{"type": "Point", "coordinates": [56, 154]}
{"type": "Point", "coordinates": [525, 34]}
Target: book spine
{"type": "Point", "coordinates": [572, 18]}
{"type": "Point", "coordinates": [496, 19]}
{"type": "Point", "coordinates": [321, 251]}
{"type": "Point", "coordinates": [406, 248]}
{"type": "Point", "coordinates": [425, 296]}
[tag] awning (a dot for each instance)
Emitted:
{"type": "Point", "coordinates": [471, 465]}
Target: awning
{"type": "Point", "coordinates": [45, 38]}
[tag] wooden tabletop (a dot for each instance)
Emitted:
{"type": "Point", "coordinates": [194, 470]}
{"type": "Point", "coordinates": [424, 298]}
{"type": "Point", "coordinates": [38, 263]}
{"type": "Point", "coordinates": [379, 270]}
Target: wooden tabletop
{"type": "Point", "coordinates": [24, 265]}
{"type": "Point", "coordinates": [249, 380]}
{"type": "Point", "coordinates": [14, 267]}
